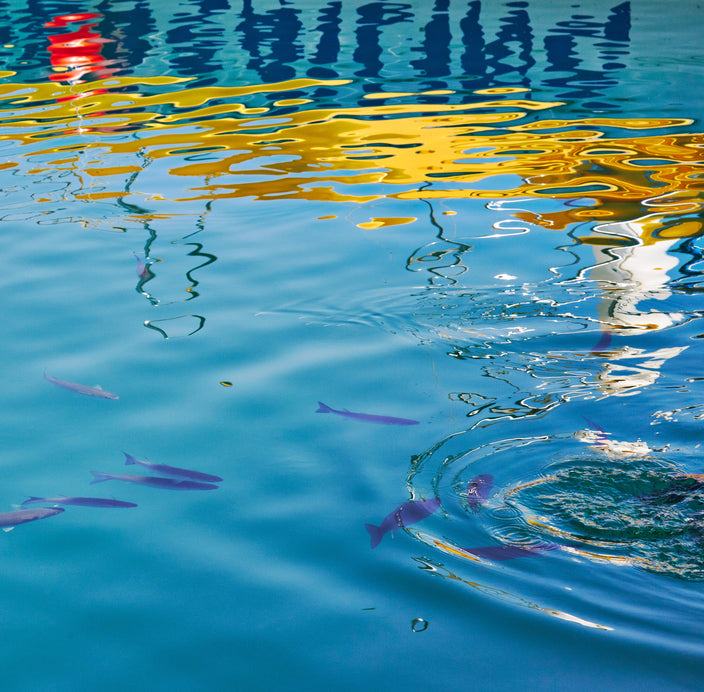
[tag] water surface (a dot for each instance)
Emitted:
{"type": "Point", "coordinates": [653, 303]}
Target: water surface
{"type": "Point", "coordinates": [483, 217]}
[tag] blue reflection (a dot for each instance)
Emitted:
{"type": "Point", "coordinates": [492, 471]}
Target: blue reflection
{"type": "Point", "coordinates": [435, 46]}
{"type": "Point", "coordinates": [272, 40]}
{"type": "Point", "coordinates": [581, 83]}
{"type": "Point", "coordinates": [328, 48]}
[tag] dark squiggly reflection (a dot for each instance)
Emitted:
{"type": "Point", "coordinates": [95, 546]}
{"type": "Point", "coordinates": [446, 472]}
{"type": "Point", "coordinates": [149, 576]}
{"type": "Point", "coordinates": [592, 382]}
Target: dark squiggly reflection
{"type": "Point", "coordinates": [174, 327]}
{"type": "Point", "coordinates": [442, 110]}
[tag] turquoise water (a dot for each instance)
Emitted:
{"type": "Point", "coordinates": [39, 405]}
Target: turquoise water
{"type": "Point", "coordinates": [483, 217]}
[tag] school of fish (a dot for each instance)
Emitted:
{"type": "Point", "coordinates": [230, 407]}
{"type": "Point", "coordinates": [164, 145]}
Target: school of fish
{"type": "Point", "coordinates": [410, 512]}
{"type": "Point", "coordinates": [173, 478]}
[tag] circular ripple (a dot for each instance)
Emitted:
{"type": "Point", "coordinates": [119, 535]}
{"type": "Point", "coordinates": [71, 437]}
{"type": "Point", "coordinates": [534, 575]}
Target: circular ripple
{"type": "Point", "coordinates": [645, 510]}
{"type": "Point", "coordinates": [592, 533]}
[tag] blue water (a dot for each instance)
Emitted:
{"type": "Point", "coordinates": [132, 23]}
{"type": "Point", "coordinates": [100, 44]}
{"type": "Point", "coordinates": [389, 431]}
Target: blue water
{"type": "Point", "coordinates": [505, 247]}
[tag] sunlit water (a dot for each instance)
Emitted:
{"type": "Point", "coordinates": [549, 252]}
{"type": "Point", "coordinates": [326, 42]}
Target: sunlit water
{"type": "Point", "coordinates": [483, 217]}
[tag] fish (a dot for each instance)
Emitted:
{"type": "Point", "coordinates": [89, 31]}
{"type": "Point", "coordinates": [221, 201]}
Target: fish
{"type": "Point", "coordinates": [679, 488]}
{"type": "Point", "coordinates": [142, 270]}
{"type": "Point", "coordinates": [406, 514]}
{"type": "Point", "coordinates": [367, 417]}
{"type": "Point", "coordinates": [603, 343]}
{"type": "Point", "coordinates": [478, 490]}
{"type": "Point", "coordinates": [497, 553]}
{"type": "Point", "coordinates": [8, 520]}
{"type": "Point", "coordinates": [172, 470]}
{"type": "Point", "coordinates": [80, 501]}
{"type": "Point", "coordinates": [98, 391]}
{"type": "Point", "coordinates": [153, 481]}
{"type": "Point", "coordinates": [601, 434]}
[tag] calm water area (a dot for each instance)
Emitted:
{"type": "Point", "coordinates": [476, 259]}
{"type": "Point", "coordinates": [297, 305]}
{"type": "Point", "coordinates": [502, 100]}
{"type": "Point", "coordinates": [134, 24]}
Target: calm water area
{"type": "Point", "coordinates": [417, 286]}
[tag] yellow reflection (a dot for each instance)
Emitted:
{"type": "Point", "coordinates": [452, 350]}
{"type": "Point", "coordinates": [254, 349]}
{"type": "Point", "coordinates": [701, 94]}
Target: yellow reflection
{"type": "Point", "coordinates": [502, 595]}
{"type": "Point", "coordinates": [601, 557]}
{"type": "Point", "coordinates": [394, 148]}
{"type": "Point", "coordinates": [502, 90]}
{"type": "Point", "coordinates": [454, 550]}
{"type": "Point", "coordinates": [383, 221]}
{"type": "Point", "coordinates": [291, 102]}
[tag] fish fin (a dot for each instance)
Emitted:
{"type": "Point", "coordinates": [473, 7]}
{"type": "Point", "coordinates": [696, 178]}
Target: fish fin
{"type": "Point", "coordinates": [7, 529]}
{"type": "Point", "coordinates": [593, 425]}
{"type": "Point", "coordinates": [99, 477]}
{"type": "Point", "coordinates": [97, 386]}
{"type": "Point", "coordinates": [129, 459]}
{"type": "Point", "coordinates": [375, 533]}
{"type": "Point", "coordinates": [323, 408]}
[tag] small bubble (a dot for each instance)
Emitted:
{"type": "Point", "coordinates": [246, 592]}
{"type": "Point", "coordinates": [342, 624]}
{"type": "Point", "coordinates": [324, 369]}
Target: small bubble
{"type": "Point", "coordinates": [419, 625]}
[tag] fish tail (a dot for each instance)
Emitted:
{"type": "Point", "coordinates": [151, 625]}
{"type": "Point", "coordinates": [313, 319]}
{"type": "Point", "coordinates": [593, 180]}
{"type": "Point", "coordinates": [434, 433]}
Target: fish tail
{"type": "Point", "coordinates": [375, 533]}
{"type": "Point", "coordinates": [32, 498]}
{"type": "Point", "coordinates": [323, 408]}
{"type": "Point", "coordinates": [100, 477]}
{"type": "Point", "coordinates": [129, 459]}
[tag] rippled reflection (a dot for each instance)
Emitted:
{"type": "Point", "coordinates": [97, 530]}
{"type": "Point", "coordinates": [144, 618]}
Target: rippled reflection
{"type": "Point", "coordinates": [496, 148]}
{"type": "Point", "coordinates": [486, 131]}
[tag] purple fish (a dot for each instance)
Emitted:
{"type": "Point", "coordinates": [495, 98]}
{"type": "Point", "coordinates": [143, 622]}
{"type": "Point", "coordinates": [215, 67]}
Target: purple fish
{"type": "Point", "coordinates": [81, 388]}
{"type": "Point", "coordinates": [80, 501]}
{"type": "Point", "coordinates": [142, 269]}
{"type": "Point", "coordinates": [408, 513]}
{"type": "Point", "coordinates": [367, 417]}
{"type": "Point", "coordinates": [172, 470]}
{"type": "Point", "coordinates": [478, 490]}
{"type": "Point", "coordinates": [496, 553]}
{"type": "Point", "coordinates": [8, 520]}
{"type": "Point", "coordinates": [679, 488]}
{"type": "Point", "coordinates": [603, 343]}
{"type": "Point", "coordinates": [601, 434]}
{"type": "Point", "coordinates": [153, 481]}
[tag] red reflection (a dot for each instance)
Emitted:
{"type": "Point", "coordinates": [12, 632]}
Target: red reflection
{"type": "Point", "coordinates": [78, 52]}
{"type": "Point", "coordinates": [64, 19]}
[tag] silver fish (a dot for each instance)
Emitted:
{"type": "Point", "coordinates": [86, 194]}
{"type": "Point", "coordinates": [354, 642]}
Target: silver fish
{"type": "Point", "coordinates": [366, 417]}
{"type": "Point", "coordinates": [8, 520]}
{"type": "Point", "coordinates": [173, 471]}
{"type": "Point", "coordinates": [81, 388]}
{"type": "Point", "coordinates": [80, 501]}
{"type": "Point", "coordinates": [153, 481]}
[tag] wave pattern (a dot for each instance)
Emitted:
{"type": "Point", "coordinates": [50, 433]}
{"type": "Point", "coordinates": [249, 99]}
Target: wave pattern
{"type": "Point", "coordinates": [607, 197]}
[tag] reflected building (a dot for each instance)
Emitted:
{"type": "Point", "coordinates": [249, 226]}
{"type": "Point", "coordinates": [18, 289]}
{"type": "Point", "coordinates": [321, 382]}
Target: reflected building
{"type": "Point", "coordinates": [271, 40]}
{"type": "Point", "coordinates": [505, 60]}
{"type": "Point", "coordinates": [440, 45]}
{"type": "Point", "coordinates": [609, 47]}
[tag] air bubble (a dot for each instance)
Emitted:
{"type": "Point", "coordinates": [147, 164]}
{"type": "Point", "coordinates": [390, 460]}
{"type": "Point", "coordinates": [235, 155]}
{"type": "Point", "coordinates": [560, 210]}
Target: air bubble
{"type": "Point", "coordinates": [419, 625]}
